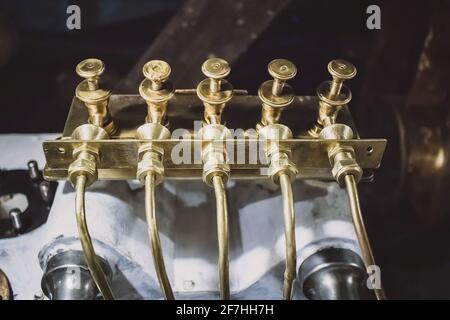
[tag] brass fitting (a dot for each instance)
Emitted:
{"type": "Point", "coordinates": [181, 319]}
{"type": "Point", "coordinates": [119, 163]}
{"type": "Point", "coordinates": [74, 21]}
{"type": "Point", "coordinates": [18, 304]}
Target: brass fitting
{"type": "Point", "coordinates": [156, 90]}
{"type": "Point", "coordinates": [95, 98]}
{"type": "Point", "coordinates": [215, 91]}
{"type": "Point", "coordinates": [214, 152]}
{"type": "Point", "coordinates": [150, 155]}
{"type": "Point", "coordinates": [333, 95]}
{"type": "Point", "coordinates": [279, 155]}
{"type": "Point", "coordinates": [86, 157]}
{"type": "Point", "coordinates": [276, 94]}
{"type": "Point", "coordinates": [342, 158]}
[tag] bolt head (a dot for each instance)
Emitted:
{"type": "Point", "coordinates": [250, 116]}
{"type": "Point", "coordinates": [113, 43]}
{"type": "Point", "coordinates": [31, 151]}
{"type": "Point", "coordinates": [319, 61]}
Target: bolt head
{"type": "Point", "coordinates": [156, 70]}
{"type": "Point", "coordinates": [282, 69]}
{"type": "Point", "coordinates": [216, 68]}
{"type": "Point", "coordinates": [341, 69]}
{"type": "Point", "coordinates": [90, 68]}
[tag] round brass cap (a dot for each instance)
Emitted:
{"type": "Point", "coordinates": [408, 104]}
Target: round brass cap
{"type": "Point", "coordinates": [90, 68]}
{"type": "Point", "coordinates": [156, 70]}
{"type": "Point", "coordinates": [282, 69]}
{"type": "Point", "coordinates": [341, 69]}
{"type": "Point", "coordinates": [216, 68]}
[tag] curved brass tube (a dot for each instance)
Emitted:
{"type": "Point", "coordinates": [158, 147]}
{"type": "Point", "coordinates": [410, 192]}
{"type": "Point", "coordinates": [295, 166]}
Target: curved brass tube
{"type": "Point", "coordinates": [290, 272]}
{"type": "Point", "coordinates": [153, 234]}
{"type": "Point", "coordinates": [360, 229]}
{"type": "Point", "coordinates": [95, 269]}
{"type": "Point", "coordinates": [222, 235]}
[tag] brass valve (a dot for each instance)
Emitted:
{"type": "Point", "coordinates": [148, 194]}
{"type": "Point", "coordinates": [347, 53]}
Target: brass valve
{"type": "Point", "coordinates": [333, 94]}
{"type": "Point", "coordinates": [342, 158]}
{"type": "Point", "coordinates": [276, 94]}
{"type": "Point", "coordinates": [215, 92]}
{"type": "Point", "coordinates": [86, 157]}
{"type": "Point", "coordinates": [95, 98]}
{"type": "Point", "coordinates": [156, 90]}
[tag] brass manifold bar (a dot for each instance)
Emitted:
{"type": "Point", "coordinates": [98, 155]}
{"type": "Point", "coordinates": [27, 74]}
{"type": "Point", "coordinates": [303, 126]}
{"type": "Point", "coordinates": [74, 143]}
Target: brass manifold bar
{"type": "Point", "coordinates": [118, 157]}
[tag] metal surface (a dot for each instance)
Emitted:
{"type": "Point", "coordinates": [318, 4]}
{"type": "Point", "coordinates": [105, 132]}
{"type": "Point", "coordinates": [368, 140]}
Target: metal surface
{"type": "Point", "coordinates": [118, 160]}
{"type": "Point", "coordinates": [360, 229]}
{"type": "Point", "coordinates": [222, 236]}
{"type": "Point", "coordinates": [334, 274]}
{"type": "Point", "coordinates": [289, 224]}
{"type": "Point", "coordinates": [155, 242]}
{"type": "Point", "coordinates": [67, 277]}
{"type": "Point", "coordinates": [95, 268]}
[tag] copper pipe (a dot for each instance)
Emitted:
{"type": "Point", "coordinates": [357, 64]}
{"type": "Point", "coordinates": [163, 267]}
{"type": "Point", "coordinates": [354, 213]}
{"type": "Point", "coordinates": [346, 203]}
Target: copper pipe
{"type": "Point", "coordinates": [95, 269]}
{"type": "Point", "coordinates": [360, 229]}
{"type": "Point", "coordinates": [290, 272]}
{"type": "Point", "coordinates": [153, 233]}
{"type": "Point", "coordinates": [222, 235]}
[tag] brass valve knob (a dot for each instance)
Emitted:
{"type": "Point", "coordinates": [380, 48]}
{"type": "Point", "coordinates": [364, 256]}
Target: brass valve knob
{"type": "Point", "coordinates": [156, 90]}
{"type": "Point", "coordinates": [215, 91]}
{"type": "Point", "coordinates": [333, 94]}
{"type": "Point", "coordinates": [95, 98]}
{"type": "Point", "coordinates": [276, 94]}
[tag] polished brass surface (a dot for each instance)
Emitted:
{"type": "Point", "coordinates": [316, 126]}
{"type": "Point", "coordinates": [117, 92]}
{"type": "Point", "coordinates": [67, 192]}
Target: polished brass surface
{"type": "Point", "coordinates": [95, 268]}
{"type": "Point", "coordinates": [276, 94]}
{"type": "Point", "coordinates": [360, 229]}
{"type": "Point", "coordinates": [158, 258]}
{"type": "Point", "coordinates": [95, 98]}
{"type": "Point", "coordinates": [290, 272]}
{"type": "Point", "coordinates": [215, 92]}
{"type": "Point", "coordinates": [222, 236]}
{"type": "Point", "coordinates": [156, 90]}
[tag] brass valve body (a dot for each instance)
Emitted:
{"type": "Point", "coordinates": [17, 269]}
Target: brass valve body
{"type": "Point", "coordinates": [278, 156]}
{"type": "Point", "coordinates": [150, 155]}
{"type": "Point", "coordinates": [86, 157]}
{"type": "Point", "coordinates": [95, 98]}
{"type": "Point", "coordinates": [214, 152]}
{"type": "Point", "coordinates": [342, 158]}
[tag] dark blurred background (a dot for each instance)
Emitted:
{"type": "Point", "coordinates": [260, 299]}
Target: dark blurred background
{"type": "Point", "coordinates": [401, 92]}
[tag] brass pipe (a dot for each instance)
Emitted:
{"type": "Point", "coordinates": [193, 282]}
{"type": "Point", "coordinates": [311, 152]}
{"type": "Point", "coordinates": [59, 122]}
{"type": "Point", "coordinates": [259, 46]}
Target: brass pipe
{"type": "Point", "coordinates": [360, 229]}
{"type": "Point", "coordinates": [95, 269]}
{"type": "Point", "coordinates": [153, 234]}
{"type": "Point", "coordinates": [290, 272]}
{"type": "Point", "coordinates": [222, 235]}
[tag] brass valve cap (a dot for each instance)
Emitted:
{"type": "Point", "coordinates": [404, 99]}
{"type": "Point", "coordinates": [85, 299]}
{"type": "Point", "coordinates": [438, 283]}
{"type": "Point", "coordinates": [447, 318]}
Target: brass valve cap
{"type": "Point", "coordinates": [91, 69]}
{"type": "Point", "coordinates": [341, 69]}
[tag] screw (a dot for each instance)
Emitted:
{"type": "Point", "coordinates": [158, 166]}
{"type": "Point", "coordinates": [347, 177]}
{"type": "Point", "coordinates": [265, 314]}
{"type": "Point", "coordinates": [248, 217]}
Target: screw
{"type": "Point", "coordinates": [91, 69]}
{"type": "Point", "coordinates": [157, 71]}
{"type": "Point", "coordinates": [281, 70]}
{"type": "Point", "coordinates": [16, 218]}
{"type": "Point", "coordinates": [215, 69]}
{"type": "Point", "coordinates": [33, 170]}
{"type": "Point", "coordinates": [340, 70]}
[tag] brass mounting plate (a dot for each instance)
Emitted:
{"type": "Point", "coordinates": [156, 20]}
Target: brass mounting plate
{"type": "Point", "coordinates": [118, 156]}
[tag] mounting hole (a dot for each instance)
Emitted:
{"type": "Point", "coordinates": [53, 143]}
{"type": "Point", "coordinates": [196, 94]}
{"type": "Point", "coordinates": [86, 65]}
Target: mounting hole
{"type": "Point", "coordinates": [369, 150]}
{"type": "Point", "coordinates": [61, 150]}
